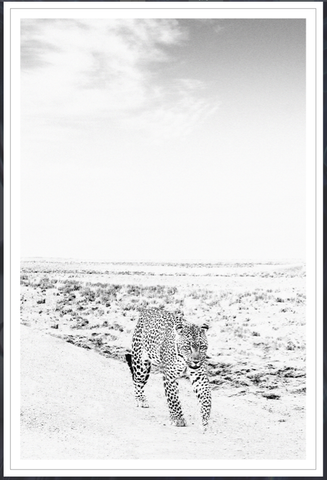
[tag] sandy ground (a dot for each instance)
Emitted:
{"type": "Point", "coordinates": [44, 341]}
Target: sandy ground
{"type": "Point", "coordinates": [77, 404]}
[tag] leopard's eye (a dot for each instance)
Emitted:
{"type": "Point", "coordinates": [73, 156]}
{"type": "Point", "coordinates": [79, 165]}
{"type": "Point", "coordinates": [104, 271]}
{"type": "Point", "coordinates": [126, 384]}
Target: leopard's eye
{"type": "Point", "coordinates": [187, 348]}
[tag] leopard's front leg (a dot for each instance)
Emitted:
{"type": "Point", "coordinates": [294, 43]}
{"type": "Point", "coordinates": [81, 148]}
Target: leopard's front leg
{"type": "Point", "coordinates": [140, 367]}
{"type": "Point", "coordinates": [201, 387]}
{"type": "Point", "coordinates": [174, 404]}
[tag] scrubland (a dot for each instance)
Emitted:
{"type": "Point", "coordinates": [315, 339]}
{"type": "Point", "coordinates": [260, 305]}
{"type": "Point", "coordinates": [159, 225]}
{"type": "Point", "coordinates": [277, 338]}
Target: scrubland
{"type": "Point", "coordinates": [256, 313]}
{"type": "Point", "coordinates": [78, 403]}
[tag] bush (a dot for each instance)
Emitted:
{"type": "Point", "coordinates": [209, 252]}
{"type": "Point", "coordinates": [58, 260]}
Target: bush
{"type": "Point", "coordinates": [45, 283]}
{"type": "Point", "coordinates": [24, 280]}
{"type": "Point", "coordinates": [70, 286]}
{"type": "Point", "coordinates": [133, 290]}
{"type": "Point", "coordinates": [88, 294]}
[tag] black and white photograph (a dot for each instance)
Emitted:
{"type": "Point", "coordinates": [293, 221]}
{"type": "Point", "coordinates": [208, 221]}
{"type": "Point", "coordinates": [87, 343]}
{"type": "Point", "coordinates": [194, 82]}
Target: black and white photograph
{"type": "Point", "coordinates": [163, 284]}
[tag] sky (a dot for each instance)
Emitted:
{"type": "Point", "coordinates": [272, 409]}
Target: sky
{"type": "Point", "coordinates": [163, 140]}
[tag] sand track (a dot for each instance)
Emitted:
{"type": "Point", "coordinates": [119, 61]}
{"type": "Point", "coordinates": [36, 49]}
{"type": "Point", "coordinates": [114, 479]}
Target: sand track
{"type": "Point", "coordinates": [77, 404]}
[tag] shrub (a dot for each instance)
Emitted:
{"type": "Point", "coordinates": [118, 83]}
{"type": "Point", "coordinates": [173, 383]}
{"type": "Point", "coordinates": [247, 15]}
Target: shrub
{"type": "Point", "coordinates": [88, 294]}
{"type": "Point", "coordinates": [133, 290]}
{"type": "Point", "coordinates": [70, 286]}
{"type": "Point", "coordinates": [171, 290]}
{"type": "Point", "coordinates": [45, 283]}
{"type": "Point", "coordinates": [24, 280]}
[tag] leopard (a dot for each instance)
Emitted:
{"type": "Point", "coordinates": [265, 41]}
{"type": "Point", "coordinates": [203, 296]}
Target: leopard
{"type": "Point", "coordinates": [167, 340]}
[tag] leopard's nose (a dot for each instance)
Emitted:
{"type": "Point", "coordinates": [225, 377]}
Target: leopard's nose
{"type": "Point", "coordinates": [195, 364]}
{"type": "Point", "coordinates": [196, 358]}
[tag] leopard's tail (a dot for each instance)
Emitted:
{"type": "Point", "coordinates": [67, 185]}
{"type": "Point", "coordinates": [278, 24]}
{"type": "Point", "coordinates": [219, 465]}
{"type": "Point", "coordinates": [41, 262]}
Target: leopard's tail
{"type": "Point", "coordinates": [128, 357]}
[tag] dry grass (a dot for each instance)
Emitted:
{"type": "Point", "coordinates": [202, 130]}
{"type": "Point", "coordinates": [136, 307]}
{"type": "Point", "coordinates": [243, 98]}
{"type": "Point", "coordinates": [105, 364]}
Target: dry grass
{"type": "Point", "coordinates": [256, 313]}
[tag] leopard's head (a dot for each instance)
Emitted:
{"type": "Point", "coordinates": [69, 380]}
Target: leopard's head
{"type": "Point", "coordinates": [192, 343]}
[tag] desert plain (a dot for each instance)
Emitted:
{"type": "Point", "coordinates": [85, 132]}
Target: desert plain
{"type": "Point", "coordinates": [77, 321]}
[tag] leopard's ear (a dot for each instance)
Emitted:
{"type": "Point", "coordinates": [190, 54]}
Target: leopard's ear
{"type": "Point", "coordinates": [179, 316]}
{"type": "Point", "coordinates": [179, 327]}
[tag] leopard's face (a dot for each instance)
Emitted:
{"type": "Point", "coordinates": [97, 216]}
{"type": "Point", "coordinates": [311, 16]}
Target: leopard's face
{"type": "Point", "coordinates": [192, 344]}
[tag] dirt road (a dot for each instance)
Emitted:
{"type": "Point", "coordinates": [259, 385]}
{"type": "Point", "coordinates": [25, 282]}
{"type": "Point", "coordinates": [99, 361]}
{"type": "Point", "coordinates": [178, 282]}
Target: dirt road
{"type": "Point", "coordinates": [77, 404]}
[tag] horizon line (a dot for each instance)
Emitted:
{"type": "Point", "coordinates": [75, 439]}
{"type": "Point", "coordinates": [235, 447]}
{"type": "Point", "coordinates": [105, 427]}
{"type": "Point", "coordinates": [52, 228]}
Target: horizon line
{"type": "Point", "coordinates": [164, 262]}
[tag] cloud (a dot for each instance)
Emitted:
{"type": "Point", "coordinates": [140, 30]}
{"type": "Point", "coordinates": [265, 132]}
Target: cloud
{"type": "Point", "coordinates": [109, 69]}
{"type": "Point", "coordinates": [173, 112]}
{"type": "Point", "coordinates": [206, 24]}
{"type": "Point", "coordinates": [33, 53]}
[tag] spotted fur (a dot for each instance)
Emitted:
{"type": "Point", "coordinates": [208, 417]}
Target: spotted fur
{"type": "Point", "coordinates": [167, 340]}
